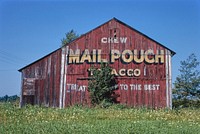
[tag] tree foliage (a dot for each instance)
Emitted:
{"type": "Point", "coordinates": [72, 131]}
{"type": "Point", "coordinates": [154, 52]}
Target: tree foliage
{"type": "Point", "coordinates": [187, 84]}
{"type": "Point", "coordinates": [102, 85]}
{"type": "Point", "coordinates": [7, 98]}
{"type": "Point", "coordinates": [69, 37]}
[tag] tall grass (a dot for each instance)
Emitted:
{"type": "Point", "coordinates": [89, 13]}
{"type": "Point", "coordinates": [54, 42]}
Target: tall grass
{"type": "Point", "coordinates": [34, 119]}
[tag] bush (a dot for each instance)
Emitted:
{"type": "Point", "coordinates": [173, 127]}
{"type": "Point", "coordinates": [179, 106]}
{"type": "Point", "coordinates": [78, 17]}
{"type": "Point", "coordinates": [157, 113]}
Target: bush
{"type": "Point", "coordinates": [102, 85]}
{"type": "Point", "coordinates": [184, 103]}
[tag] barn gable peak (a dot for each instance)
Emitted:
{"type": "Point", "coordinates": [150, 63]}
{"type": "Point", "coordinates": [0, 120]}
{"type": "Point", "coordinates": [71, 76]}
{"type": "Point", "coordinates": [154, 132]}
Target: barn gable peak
{"type": "Point", "coordinates": [112, 25]}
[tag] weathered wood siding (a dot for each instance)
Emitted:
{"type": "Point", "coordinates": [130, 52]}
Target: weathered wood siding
{"type": "Point", "coordinates": [45, 77]}
{"type": "Point", "coordinates": [156, 74]}
{"type": "Point", "coordinates": [59, 82]}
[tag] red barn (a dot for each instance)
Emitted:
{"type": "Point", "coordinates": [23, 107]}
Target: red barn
{"type": "Point", "coordinates": [141, 65]}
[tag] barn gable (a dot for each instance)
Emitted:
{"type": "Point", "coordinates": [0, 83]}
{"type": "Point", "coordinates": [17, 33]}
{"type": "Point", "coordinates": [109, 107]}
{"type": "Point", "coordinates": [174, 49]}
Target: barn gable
{"type": "Point", "coordinates": [142, 67]}
{"type": "Point", "coordinates": [115, 20]}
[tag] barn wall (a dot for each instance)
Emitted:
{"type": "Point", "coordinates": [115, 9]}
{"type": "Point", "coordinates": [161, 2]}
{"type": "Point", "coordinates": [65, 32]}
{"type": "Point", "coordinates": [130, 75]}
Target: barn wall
{"type": "Point", "coordinates": [60, 80]}
{"type": "Point", "coordinates": [40, 81]}
{"type": "Point", "coordinates": [151, 89]}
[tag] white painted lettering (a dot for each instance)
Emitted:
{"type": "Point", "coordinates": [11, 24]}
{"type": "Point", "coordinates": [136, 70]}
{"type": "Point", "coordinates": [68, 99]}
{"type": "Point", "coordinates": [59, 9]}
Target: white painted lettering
{"type": "Point", "coordinates": [123, 39]}
{"type": "Point", "coordinates": [113, 40]}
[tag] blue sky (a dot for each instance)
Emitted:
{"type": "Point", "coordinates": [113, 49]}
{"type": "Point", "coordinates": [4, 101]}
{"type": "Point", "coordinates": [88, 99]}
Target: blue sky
{"type": "Point", "coordinates": [31, 29]}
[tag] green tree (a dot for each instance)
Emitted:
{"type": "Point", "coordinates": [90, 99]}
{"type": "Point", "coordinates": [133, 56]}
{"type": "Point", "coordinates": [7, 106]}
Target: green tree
{"type": "Point", "coordinates": [69, 37]}
{"type": "Point", "coordinates": [102, 85]}
{"type": "Point", "coordinates": [187, 84]}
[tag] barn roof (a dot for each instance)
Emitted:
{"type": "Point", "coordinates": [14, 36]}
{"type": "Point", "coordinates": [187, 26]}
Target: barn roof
{"type": "Point", "coordinates": [115, 19]}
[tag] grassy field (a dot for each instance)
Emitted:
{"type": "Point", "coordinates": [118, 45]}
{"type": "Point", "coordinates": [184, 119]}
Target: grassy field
{"type": "Point", "coordinates": [37, 120]}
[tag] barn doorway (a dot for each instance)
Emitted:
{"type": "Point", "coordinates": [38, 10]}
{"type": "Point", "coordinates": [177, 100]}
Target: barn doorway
{"type": "Point", "coordinates": [29, 99]}
{"type": "Point", "coordinates": [28, 91]}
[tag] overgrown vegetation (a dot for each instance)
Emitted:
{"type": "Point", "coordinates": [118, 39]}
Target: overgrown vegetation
{"type": "Point", "coordinates": [185, 103]}
{"type": "Point", "coordinates": [115, 119]}
{"type": "Point", "coordinates": [102, 85]}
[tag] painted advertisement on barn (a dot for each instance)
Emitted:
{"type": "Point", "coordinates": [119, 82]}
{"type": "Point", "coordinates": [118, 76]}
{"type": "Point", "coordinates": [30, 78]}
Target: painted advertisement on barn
{"type": "Point", "coordinates": [141, 65]}
{"type": "Point", "coordinates": [138, 63]}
